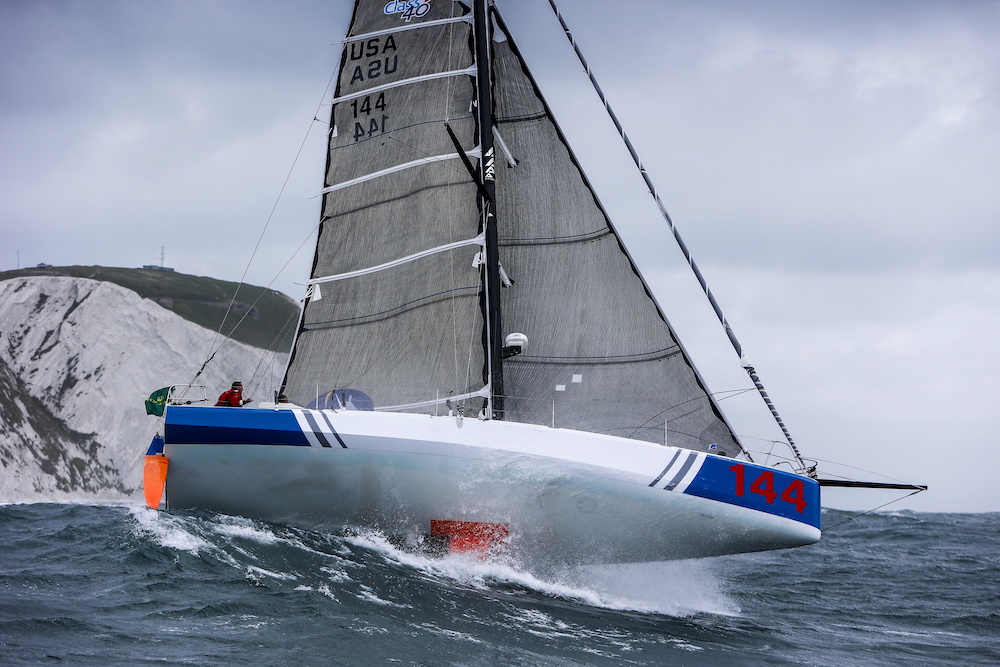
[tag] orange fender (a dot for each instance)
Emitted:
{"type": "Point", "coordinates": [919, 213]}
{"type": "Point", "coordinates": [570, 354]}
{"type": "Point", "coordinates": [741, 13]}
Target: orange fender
{"type": "Point", "coordinates": [154, 478]}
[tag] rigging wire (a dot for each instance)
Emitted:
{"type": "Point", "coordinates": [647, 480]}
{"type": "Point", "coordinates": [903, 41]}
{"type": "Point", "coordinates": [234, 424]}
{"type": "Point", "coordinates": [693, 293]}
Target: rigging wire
{"type": "Point", "coordinates": [680, 242]}
{"type": "Point", "coordinates": [293, 317]}
{"type": "Point", "coordinates": [869, 472]}
{"type": "Point", "coordinates": [874, 509]}
{"type": "Point", "coordinates": [730, 393]}
{"type": "Point", "coordinates": [216, 345]}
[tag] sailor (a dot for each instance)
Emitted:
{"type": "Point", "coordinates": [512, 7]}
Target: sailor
{"type": "Point", "coordinates": [234, 397]}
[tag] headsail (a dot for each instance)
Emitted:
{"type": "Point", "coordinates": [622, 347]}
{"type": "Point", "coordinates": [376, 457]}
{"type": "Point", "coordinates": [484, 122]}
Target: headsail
{"type": "Point", "coordinates": [601, 357]}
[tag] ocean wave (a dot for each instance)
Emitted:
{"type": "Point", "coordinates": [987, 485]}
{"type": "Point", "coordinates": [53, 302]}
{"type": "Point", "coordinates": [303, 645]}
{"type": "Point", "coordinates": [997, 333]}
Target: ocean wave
{"type": "Point", "coordinates": [128, 585]}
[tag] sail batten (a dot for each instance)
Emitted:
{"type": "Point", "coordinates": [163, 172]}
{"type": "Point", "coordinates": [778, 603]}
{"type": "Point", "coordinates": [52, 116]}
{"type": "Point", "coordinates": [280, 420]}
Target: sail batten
{"type": "Point", "coordinates": [478, 241]}
{"type": "Point", "coordinates": [475, 152]}
{"type": "Point", "coordinates": [403, 28]}
{"type": "Point", "coordinates": [468, 71]}
{"type": "Point", "coordinates": [484, 392]}
{"type": "Point", "coordinates": [637, 357]}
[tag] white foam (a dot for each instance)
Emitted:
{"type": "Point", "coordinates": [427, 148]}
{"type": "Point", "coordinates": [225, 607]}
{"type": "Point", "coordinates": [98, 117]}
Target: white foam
{"type": "Point", "coordinates": [451, 634]}
{"type": "Point", "coordinates": [253, 571]}
{"type": "Point", "coordinates": [369, 596]}
{"type": "Point", "coordinates": [167, 530]}
{"type": "Point", "coordinates": [674, 588]}
{"type": "Point", "coordinates": [541, 624]}
{"type": "Point", "coordinates": [245, 528]}
{"type": "Point", "coordinates": [325, 590]}
{"type": "Point", "coordinates": [336, 576]}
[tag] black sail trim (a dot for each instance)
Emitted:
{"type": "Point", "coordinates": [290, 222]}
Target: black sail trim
{"type": "Point", "coordinates": [391, 312]}
{"type": "Point", "coordinates": [639, 357]}
{"type": "Point", "coordinates": [556, 240]}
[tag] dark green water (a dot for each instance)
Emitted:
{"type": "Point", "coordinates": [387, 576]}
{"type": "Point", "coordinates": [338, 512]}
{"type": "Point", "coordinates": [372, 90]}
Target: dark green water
{"type": "Point", "coordinates": [93, 585]}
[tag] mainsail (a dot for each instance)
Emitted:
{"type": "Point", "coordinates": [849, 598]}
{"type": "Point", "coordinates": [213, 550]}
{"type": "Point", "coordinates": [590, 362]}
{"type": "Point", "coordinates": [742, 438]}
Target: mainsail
{"type": "Point", "coordinates": [408, 331]}
{"type": "Point", "coordinates": [400, 262]}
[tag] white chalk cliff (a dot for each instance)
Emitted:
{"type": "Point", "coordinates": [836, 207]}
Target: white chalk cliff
{"type": "Point", "coordinates": [78, 358]}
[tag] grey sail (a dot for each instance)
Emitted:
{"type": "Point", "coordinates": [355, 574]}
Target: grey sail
{"type": "Point", "coordinates": [407, 333]}
{"type": "Point", "coordinates": [400, 317]}
{"type": "Point", "coordinates": [601, 355]}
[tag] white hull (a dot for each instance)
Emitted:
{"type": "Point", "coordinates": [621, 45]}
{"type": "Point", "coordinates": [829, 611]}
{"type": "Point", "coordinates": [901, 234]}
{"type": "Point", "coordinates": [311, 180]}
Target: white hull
{"type": "Point", "coordinates": [567, 496]}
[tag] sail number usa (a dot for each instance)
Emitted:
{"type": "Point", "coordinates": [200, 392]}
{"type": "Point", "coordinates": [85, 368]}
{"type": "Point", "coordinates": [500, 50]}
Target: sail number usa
{"type": "Point", "coordinates": [374, 59]}
{"type": "Point", "coordinates": [764, 485]}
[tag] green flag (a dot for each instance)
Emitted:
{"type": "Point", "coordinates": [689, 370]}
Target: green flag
{"type": "Point", "coordinates": [157, 401]}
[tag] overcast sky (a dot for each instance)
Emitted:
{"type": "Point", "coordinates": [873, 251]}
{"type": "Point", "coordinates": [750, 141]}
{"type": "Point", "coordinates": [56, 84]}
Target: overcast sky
{"type": "Point", "coordinates": [833, 167]}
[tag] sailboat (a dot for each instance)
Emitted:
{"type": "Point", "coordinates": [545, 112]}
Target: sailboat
{"type": "Point", "coordinates": [479, 364]}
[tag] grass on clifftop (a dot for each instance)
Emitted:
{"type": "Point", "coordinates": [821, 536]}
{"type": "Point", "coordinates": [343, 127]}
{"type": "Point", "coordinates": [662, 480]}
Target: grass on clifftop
{"type": "Point", "coordinates": [271, 317]}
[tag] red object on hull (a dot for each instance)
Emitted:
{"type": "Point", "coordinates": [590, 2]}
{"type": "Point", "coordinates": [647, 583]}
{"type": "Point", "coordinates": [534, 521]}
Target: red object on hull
{"type": "Point", "coordinates": [473, 537]}
{"type": "Point", "coordinates": [154, 478]}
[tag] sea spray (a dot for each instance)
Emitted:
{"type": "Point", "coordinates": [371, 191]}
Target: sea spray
{"type": "Point", "coordinates": [674, 588]}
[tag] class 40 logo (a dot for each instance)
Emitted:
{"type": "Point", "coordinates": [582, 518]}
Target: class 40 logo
{"type": "Point", "coordinates": [408, 9]}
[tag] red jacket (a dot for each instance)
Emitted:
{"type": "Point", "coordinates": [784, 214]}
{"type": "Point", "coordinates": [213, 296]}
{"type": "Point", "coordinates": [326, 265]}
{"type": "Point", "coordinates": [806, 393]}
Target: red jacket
{"type": "Point", "coordinates": [233, 398]}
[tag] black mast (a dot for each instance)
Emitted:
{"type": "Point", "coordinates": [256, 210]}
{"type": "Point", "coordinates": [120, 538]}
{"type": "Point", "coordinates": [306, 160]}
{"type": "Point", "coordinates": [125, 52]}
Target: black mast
{"type": "Point", "coordinates": [487, 197]}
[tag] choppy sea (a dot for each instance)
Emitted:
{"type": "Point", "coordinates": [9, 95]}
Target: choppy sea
{"type": "Point", "coordinates": [125, 585]}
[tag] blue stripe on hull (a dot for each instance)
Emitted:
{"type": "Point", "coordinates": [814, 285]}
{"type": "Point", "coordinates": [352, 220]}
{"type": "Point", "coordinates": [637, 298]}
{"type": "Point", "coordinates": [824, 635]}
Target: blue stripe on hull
{"type": "Point", "coordinates": [758, 488]}
{"type": "Point", "coordinates": [230, 426]}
